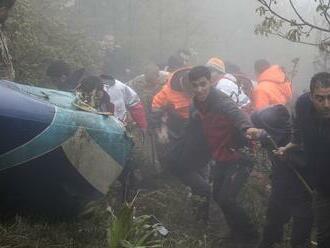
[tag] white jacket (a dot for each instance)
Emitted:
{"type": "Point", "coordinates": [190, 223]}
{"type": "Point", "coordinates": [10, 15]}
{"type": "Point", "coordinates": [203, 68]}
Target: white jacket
{"type": "Point", "coordinates": [227, 84]}
{"type": "Point", "coordinates": [123, 97]}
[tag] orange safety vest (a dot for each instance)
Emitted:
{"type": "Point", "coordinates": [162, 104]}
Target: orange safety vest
{"type": "Point", "coordinates": [178, 100]}
{"type": "Point", "coordinates": [273, 88]}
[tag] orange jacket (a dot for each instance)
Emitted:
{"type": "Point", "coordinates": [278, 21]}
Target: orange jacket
{"type": "Point", "coordinates": [273, 88]}
{"type": "Point", "coordinates": [173, 96]}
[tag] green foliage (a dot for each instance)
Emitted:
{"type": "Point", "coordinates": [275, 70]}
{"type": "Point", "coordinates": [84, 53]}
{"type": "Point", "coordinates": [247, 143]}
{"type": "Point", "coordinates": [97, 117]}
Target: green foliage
{"type": "Point", "coordinates": [261, 11]}
{"type": "Point", "coordinates": [294, 35]}
{"type": "Point", "coordinates": [39, 32]}
{"type": "Point", "coordinates": [174, 205]}
{"type": "Point", "coordinates": [121, 226]}
{"type": "Point", "coordinates": [268, 26]}
{"type": "Point", "coordinates": [322, 7]}
{"type": "Point", "coordinates": [128, 231]}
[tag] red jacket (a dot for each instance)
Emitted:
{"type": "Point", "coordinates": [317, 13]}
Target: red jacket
{"type": "Point", "coordinates": [139, 115]}
{"type": "Point", "coordinates": [223, 124]}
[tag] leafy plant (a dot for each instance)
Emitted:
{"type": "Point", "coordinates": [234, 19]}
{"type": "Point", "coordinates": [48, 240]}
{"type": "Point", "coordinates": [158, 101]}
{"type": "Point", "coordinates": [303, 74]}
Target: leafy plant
{"type": "Point", "coordinates": [128, 231]}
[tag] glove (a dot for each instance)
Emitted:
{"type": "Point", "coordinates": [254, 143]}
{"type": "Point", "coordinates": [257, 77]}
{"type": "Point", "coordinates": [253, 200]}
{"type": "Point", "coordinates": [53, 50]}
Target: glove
{"type": "Point", "coordinates": [162, 135]}
{"type": "Point", "coordinates": [253, 133]}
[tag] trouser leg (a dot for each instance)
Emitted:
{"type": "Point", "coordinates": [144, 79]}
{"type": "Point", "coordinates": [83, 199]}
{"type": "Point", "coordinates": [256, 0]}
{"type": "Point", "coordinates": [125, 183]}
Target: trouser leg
{"type": "Point", "coordinates": [301, 232]}
{"type": "Point", "coordinates": [277, 215]}
{"type": "Point", "coordinates": [127, 181]}
{"type": "Point", "coordinates": [228, 182]}
{"type": "Point", "coordinates": [322, 218]}
{"type": "Point", "coordinates": [302, 222]}
{"type": "Point", "coordinates": [198, 182]}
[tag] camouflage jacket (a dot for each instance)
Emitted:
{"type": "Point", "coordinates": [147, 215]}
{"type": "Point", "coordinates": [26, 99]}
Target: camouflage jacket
{"type": "Point", "coordinates": [6, 66]}
{"type": "Point", "coordinates": [147, 91]}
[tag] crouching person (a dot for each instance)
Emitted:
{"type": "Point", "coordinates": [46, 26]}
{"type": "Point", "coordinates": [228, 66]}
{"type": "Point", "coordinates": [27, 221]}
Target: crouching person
{"type": "Point", "coordinates": [224, 127]}
{"type": "Point", "coordinates": [290, 196]}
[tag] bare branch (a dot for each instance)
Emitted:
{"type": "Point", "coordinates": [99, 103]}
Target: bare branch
{"type": "Point", "coordinates": [306, 22]}
{"type": "Point", "coordinates": [298, 27]}
{"type": "Point", "coordinates": [303, 22]}
{"type": "Point", "coordinates": [270, 9]}
{"type": "Point", "coordinates": [283, 36]}
{"type": "Point", "coordinates": [307, 33]}
{"type": "Point", "coordinates": [325, 10]}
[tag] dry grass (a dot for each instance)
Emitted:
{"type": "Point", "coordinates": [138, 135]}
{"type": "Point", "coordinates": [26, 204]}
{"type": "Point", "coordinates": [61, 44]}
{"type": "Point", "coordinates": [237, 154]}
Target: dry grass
{"type": "Point", "coordinates": [24, 232]}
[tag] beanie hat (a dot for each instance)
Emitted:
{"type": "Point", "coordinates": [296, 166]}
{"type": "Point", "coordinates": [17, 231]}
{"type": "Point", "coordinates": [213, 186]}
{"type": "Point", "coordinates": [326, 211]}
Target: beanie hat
{"type": "Point", "coordinates": [216, 64]}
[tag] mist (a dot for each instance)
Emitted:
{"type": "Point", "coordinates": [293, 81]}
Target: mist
{"type": "Point", "coordinates": [153, 30]}
{"type": "Point", "coordinates": [73, 134]}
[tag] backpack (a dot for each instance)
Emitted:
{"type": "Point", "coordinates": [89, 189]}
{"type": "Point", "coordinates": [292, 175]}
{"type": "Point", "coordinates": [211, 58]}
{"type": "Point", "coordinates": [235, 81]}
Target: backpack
{"type": "Point", "coordinates": [243, 83]}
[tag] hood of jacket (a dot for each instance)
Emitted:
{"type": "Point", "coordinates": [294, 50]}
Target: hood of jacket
{"type": "Point", "coordinates": [176, 80]}
{"type": "Point", "coordinates": [273, 74]}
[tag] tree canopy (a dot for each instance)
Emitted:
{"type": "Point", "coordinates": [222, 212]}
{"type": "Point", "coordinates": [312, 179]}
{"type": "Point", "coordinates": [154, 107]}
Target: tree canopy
{"type": "Point", "coordinates": [304, 22]}
{"type": "Point", "coordinates": [40, 33]}
{"type": "Point", "coordinates": [297, 22]}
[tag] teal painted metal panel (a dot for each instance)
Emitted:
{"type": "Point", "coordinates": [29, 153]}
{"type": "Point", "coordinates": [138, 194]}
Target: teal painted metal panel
{"type": "Point", "coordinates": [106, 131]}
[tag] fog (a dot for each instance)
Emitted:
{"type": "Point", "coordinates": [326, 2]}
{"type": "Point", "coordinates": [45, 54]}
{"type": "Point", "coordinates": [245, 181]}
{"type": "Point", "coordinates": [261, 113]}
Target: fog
{"type": "Point", "coordinates": [152, 30]}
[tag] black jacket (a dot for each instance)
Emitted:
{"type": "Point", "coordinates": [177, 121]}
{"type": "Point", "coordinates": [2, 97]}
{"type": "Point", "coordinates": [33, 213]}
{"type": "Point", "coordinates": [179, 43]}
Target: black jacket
{"type": "Point", "coordinates": [313, 132]}
{"type": "Point", "coordinates": [275, 120]}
